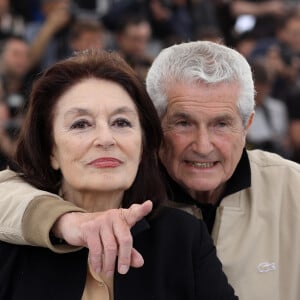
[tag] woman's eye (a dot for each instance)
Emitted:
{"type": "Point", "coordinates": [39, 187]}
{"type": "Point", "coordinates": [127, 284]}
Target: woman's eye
{"type": "Point", "coordinates": [80, 124]}
{"type": "Point", "coordinates": [122, 123]}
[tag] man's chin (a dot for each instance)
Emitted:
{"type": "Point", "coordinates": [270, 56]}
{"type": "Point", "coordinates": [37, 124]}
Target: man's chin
{"type": "Point", "coordinates": [199, 186]}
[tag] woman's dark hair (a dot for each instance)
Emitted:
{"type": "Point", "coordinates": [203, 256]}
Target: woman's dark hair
{"type": "Point", "coordinates": [32, 157]}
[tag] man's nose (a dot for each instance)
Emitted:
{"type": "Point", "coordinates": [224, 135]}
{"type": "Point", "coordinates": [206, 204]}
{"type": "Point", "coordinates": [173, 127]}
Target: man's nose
{"type": "Point", "coordinates": [202, 141]}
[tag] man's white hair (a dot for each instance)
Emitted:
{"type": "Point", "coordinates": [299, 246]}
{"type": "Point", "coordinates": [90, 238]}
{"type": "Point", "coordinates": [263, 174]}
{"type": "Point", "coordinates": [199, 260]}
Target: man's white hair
{"type": "Point", "coordinates": [200, 62]}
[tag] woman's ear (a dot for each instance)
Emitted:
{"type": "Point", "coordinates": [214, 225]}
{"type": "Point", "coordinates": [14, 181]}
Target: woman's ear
{"type": "Point", "coordinates": [141, 152]}
{"type": "Point", "coordinates": [54, 161]}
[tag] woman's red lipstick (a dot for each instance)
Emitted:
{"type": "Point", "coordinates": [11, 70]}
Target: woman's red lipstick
{"type": "Point", "coordinates": [105, 162]}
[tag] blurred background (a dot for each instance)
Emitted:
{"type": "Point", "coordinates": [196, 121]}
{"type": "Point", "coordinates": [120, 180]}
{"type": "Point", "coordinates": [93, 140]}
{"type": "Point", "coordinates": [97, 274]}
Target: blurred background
{"type": "Point", "coordinates": [36, 33]}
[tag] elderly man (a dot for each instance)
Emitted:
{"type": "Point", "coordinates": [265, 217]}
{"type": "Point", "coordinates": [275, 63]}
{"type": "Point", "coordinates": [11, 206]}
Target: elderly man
{"type": "Point", "coordinates": [204, 94]}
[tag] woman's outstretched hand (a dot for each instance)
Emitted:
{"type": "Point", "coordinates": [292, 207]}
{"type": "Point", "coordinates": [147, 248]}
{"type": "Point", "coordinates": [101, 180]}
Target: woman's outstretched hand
{"type": "Point", "coordinates": [106, 235]}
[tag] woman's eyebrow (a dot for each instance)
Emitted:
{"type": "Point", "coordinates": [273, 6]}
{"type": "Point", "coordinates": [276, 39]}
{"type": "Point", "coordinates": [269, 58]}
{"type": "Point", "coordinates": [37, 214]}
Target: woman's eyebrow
{"type": "Point", "coordinates": [77, 111]}
{"type": "Point", "coordinates": [124, 109]}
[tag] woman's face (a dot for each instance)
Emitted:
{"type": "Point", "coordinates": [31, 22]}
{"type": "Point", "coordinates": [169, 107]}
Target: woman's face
{"type": "Point", "coordinates": [97, 137]}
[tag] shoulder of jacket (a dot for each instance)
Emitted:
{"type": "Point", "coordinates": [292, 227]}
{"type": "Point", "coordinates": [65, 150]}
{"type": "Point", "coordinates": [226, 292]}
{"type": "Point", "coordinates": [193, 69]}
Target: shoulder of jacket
{"type": "Point", "coordinates": [267, 159]}
{"type": "Point", "coordinates": [8, 174]}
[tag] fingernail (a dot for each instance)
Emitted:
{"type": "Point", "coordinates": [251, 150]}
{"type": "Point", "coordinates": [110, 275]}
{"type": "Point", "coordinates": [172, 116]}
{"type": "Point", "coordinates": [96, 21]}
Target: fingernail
{"type": "Point", "coordinates": [98, 271]}
{"type": "Point", "coordinates": [123, 269]}
{"type": "Point", "coordinates": [109, 274]}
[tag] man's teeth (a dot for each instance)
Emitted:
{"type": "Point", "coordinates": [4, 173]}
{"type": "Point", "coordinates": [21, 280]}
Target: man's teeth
{"type": "Point", "coordinates": [202, 164]}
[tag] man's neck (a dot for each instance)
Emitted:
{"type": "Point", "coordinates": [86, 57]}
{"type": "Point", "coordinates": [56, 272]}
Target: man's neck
{"type": "Point", "coordinates": [208, 197]}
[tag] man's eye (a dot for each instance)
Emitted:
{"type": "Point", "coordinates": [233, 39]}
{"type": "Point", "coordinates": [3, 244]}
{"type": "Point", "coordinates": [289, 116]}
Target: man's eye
{"type": "Point", "coordinates": [182, 123]}
{"type": "Point", "coordinates": [122, 123]}
{"type": "Point", "coordinates": [80, 124]}
{"type": "Point", "coordinates": [221, 124]}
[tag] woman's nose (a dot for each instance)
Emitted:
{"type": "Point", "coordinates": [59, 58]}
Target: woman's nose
{"type": "Point", "coordinates": [104, 137]}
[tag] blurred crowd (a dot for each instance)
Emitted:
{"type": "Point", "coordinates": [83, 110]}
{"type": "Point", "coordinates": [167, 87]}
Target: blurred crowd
{"type": "Point", "coordinates": [36, 33]}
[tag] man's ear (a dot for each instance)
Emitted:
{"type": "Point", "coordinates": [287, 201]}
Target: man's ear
{"type": "Point", "coordinates": [249, 122]}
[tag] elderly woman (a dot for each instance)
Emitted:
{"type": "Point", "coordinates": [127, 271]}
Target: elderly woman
{"type": "Point", "coordinates": [91, 135]}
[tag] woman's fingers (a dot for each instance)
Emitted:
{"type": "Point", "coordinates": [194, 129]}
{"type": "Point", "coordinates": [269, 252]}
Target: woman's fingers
{"type": "Point", "coordinates": [106, 235]}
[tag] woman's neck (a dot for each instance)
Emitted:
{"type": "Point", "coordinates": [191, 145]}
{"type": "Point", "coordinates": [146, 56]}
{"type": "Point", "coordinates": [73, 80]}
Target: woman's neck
{"type": "Point", "coordinates": [93, 201]}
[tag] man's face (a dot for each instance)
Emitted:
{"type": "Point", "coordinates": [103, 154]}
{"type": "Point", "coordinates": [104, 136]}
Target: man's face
{"type": "Point", "coordinates": [15, 58]}
{"type": "Point", "coordinates": [134, 40]}
{"type": "Point", "coordinates": [203, 136]}
{"type": "Point", "coordinates": [290, 34]}
{"type": "Point", "coordinates": [88, 39]}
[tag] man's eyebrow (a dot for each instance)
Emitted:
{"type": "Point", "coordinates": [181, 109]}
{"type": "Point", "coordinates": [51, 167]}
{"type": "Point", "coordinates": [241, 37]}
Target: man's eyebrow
{"type": "Point", "coordinates": [178, 114]}
{"type": "Point", "coordinates": [224, 117]}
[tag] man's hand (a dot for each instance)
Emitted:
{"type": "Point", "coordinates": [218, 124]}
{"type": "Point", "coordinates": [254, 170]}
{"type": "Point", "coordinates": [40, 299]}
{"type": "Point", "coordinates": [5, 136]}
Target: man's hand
{"type": "Point", "coordinates": [106, 235]}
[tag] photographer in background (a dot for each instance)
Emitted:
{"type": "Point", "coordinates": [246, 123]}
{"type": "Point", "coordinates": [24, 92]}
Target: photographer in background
{"type": "Point", "coordinates": [14, 70]}
{"type": "Point", "coordinates": [269, 130]}
{"type": "Point", "coordinates": [48, 38]}
{"type": "Point", "coordinates": [259, 16]}
{"type": "Point", "coordinates": [293, 104]}
{"type": "Point", "coordinates": [132, 41]}
{"type": "Point", "coordinates": [282, 55]}
{"type": "Point", "coordinates": [5, 141]}
{"type": "Point", "coordinates": [87, 33]}
{"type": "Point", "coordinates": [14, 66]}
